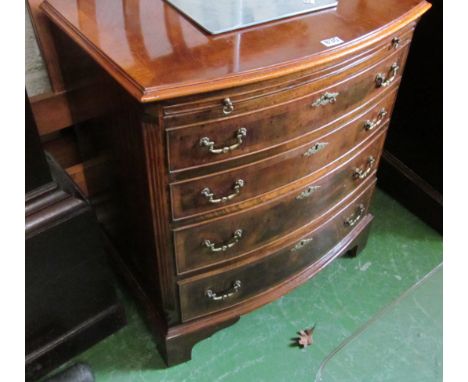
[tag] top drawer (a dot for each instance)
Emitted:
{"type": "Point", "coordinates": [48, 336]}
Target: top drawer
{"type": "Point", "coordinates": [323, 101]}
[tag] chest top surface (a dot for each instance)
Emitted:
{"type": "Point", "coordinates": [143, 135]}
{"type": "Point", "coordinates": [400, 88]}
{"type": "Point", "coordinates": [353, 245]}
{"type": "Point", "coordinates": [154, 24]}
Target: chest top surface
{"type": "Point", "coordinates": [156, 53]}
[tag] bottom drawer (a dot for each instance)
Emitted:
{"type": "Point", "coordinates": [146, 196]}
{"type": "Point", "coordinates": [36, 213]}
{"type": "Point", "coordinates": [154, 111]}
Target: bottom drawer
{"type": "Point", "coordinates": [218, 290]}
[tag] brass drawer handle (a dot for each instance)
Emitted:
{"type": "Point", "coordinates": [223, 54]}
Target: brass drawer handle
{"type": "Point", "coordinates": [301, 244]}
{"type": "Point", "coordinates": [307, 192]}
{"type": "Point", "coordinates": [224, 295]}
{"type": "Point", "coordinates": [358, 214]}
{"type": "Point", "coordinates": [206, 192]}
{"type": "Point", "coordinates": [371, 125]}
{"type": "Point", "coordinates": [361, 173]}
{"type": "Point", "coordinates": [228, 106]}
{"type": "Point", "coordinates": [326, 99]}
{"type": "Point", "coordinates": [382, 81]}
{"type": "Point", "coordinates": [396, 42]}
{"type": "Point", "coordinates": [207, 142]}
{"type": "Point", "coordinates": [224, 247]}
{"type": "Point", "coordinates": [315, 148]}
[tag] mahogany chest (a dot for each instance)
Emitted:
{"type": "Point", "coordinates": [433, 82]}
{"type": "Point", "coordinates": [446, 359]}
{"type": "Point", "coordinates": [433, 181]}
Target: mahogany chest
{"type": "Point", "coordinates": [246, 161]}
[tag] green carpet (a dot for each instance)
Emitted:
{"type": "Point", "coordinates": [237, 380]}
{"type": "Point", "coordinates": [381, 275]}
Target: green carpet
{"type": "Point", "coordinates": [339, 300]}
{"type": "Point", "coordinates": [402, 342]}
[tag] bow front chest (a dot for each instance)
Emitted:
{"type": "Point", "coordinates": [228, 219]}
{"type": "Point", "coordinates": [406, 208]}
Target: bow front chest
{"type": "Point", "coordinates": [245, 162]}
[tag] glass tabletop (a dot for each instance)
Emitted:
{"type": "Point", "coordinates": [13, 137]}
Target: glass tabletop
{"type": "Point", "coordinates": [401, 343]}
{"type": "Point", "coordinates": [218, 16]}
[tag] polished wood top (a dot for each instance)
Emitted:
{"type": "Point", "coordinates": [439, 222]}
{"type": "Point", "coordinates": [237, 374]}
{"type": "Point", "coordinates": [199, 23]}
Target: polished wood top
{"type": "Point", "coordinates": [156, 53]}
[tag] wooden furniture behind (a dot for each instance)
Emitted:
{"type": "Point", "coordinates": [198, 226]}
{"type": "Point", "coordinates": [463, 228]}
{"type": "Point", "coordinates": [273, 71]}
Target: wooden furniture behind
{"type": "Point", "coordinates": [74, 98]}
{"type": "Point", "coordinates": [65, 104]}
{"type": "Point", "coordinates": [411, 169]}
{"type": "Point", "coordinates": [245, 162]}
{"type": "Point", "coordinates": [71, 302]}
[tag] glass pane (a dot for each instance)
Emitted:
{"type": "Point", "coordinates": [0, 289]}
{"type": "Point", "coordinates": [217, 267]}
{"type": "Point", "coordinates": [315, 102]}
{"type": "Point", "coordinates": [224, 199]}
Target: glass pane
{"type": "Point", "coordinates": [217, 16]}
{"type": "Point", "coordinates": [402, 343]}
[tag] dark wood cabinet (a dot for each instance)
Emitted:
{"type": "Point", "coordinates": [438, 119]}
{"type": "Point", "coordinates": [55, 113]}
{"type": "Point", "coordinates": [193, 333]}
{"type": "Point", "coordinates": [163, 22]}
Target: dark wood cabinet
{"type": "Point", "coordinates": [244, 162]}
{"type": "Point", "coordinates": [412, 162]}
{"type": "Point", "coordinates": [70, 299]}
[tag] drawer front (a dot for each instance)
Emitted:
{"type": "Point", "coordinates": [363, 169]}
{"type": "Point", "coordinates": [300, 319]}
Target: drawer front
{"type": "Point", "coordinates": [218, 141]}
{"type": "Point", "coordinates": [203, 295]}
{"type": "Point", "coordinates": [225, 238]}
{"type": "Point", "coordinates": [188, 197]}
{"type": "Point", "coordinates": [248, 98]}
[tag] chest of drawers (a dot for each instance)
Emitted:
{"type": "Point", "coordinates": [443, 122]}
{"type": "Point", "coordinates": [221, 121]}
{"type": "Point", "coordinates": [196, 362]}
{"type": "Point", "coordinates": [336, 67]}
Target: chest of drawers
{"type": "Point", "coordinates": [245, 161]}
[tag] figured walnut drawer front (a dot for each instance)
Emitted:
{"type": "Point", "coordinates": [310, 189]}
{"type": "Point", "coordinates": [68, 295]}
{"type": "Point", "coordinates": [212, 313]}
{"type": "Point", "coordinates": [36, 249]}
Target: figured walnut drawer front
{"type": "Point", "coordinates": [205, 294]}
{"type": "Point", "coordinates": [222, 239]}
{"type": "Point", "coordinates": [219, 141]}
{"type": "Point", "coordinates": [189, 197]}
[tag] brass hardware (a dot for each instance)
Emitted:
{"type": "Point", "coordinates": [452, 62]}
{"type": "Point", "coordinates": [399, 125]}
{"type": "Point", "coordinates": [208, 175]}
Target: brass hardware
{"type": "Point", "coordinates": [370, 125]}
{"type": "Point", "coordinates": [206, 142]}
{"type": "Point", "coordinates": [206, 192]}
{"type": "Point", "coordinates": [381, 79]}
{"type": "Point", "coordinates": [307, 192]}
{"type": "Point", "coordinates": [325, 99]}
{"type": "Point", "coordinates": [361, 173]}
{"type": "Point", "coordinates": [224, 247]}
{"type": "Point", "coordinates": [301, 244]}
{"type": "Point", "coordinates": [358, 214]}
{"type": "Point", "coordinates": [315, 148]}
{"type": "Point", "coordinates": [228, 107]}
{"type": "Point", "coordinates": [396, 42]}
{"type": "Point", "coordinates": [224, 295]}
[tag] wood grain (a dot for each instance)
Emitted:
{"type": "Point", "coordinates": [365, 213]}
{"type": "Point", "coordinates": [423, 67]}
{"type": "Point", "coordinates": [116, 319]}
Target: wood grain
{"type": "Point", "coordinates": [151, 62]}
{"type": "Point", "coordinates": [326, 148]}
{"type": "Point", "coordinates": [261, 275]}
{"type": "Point", "coordinates": [272, 126]}
{"type": "Point", "coordinates": [57, 111]}
{"type": "Point", "coordinates": [279, 217]}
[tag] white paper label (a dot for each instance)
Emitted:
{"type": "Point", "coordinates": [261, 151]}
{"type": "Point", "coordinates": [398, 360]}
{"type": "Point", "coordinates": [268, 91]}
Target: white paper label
{"type": "Point", "coordinates": [332, 41]}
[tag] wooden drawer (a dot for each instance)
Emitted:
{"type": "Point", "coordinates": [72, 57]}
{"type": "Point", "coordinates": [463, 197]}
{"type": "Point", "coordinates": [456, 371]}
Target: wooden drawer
{"type": "Point", "coordinates": [266, 127]}
{"type": "Point", "coordinates": [208, 293]}
{"type": "Point", "coordinates": [223, 239]}
{"type": "Point", "coordinates": [205, 107]}
{"type": "Point", "coordinates": [269, 174]}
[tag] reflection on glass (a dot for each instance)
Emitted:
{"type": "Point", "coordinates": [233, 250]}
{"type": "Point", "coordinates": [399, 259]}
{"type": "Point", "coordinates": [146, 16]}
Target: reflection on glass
{"type": "Point", "coordinates": [217, 16]}
{"type": "Point", "coordinates": [401, 343]}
